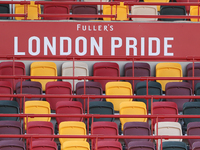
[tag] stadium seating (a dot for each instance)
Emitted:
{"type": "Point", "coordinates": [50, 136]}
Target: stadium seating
{"type": "Point", "coordinates": [144, 10]}
{"type": "Point", "coordinates": [119, 89]}
{"type": "Point", "coordinates": [140, 69]}
{"type": "Point", "coordinates": [4, 9]}
{"type": "Point", "coordinates": [58, 88]}
{"type": "Point", "coordinates": [197, 91]}
{"type": "Point", "coordinates": [79, 145]}
{"type": "Point", "coordinates": [157, 1]}
{"type": "Point", "coordinates": [132, 108]}
{"type": "Point", "coordinates": [169, 145]}
{"type": "Point", "coordinates": [136, 129]}
{"type": "Point", "coordinates": [32, 9]}
{"type": "Point", "coordinates": [10, 127]}
{"type": "Point", "coordinates": [154, 88]}
{"type": "Point", "coordinates": [100, 7]}
{"type": "Point", "coordinates": [187, 7]}
{"type": "Point", "coordinates": [6, 68]}
{"type": "Point", "coordinates": [44, 145]}
{"type": "Point", "coordinates": [6, 88]}
{"type": "Point", "coordinates": [111, 145]}
{"type": "Point", "coordinates": [91, 88]}
{"type": "Point", "coordinates": [127, 1]}
{"type": "Point", "coordinates": [194, 12]}
{"type": "Point", "coordinates": [168, 70]}
{"type": "Point", "coordinates": [178, 88]}
{"type": "Point", "coordinates": [12, 145]}
{"type": "Point", "coordinates": [56, 9]}
{"type": "Point", "coordinates": [196, 145]}
{"type": "Point", "coordinates": [84, 9]}
{"type": "Point", "coordinates": [141, 145]}
{"type": "Point", "coordinates": [102, 69]}
{"type": "Point", "coordinates": [189, 72]}
{"type": "Point", "coordinates": [75, 69]}
{"type": "Point", "coordinates": [43, 69]}
{"type": "Point", "coordinates": [193, 128]}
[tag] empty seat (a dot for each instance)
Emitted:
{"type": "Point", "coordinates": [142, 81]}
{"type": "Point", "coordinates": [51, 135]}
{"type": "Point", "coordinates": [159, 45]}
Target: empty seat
{"type": "Point", "coordinates": [194, 11]}
{"type": "Point", "coordinates": [104, 128]}
{"type": "Point", "coordinates": [144, 10]}
{"type": "Point", "coordinates": [37, 107]}
{"type": "Point", "coordinates": [4, 9]}
{"type": "Point", "coordinates": [68, 107]}
{"type": "Point", "coordinates": [40, 127]}
{"type": "Point", "coordinates": [118, 88]}
{"type": "Point", "coordinates": [105, 69]}
{"type": "Point", "coordinates": [172, 10]}
{"type": "Point", "coordinates": [56, 9]}
{"type": "Point", "coordinates": [122, 12]}
{"type": "Point", "coordinates": [165, 108]}
{"type": "Point", "coordinates": [141, 145]}
{"type": "Point", "coordinates": [196, 145]}
{"type": "Point", "coordinates": [43, 145]}
{"type": "Point", "coordinates": [10, 127]}
{"type": "Point", "coordinates": [9, 107]}
{"type": "Point", "coordinates": [136, 129]}
{"type": "Point", "coordinates": [71, 128]}
{"type": "Point", "coordinates": [140, 70]}
{"type": "Point", "coordinates": [6, 68]}
{"type": "Point", "coordinates": [6, 88]}
{"type": "Point", "coordinates": [154, 88]}
{"type": "Point", "coordinates": [57, 87]}
{"type": "Point", "coordinates": [193, 128]}
{"type": "Point", "coordinates": [32, 11]}
{"type": "Point", "coordinates": [91, 88]}
{"type": "Point", "coordinates": [100, 7]}
{"type": "Point", "coordinates": [127, 1]}
{"type": "Point", "coordinates": [12, 145]}
{"type": "Point", "coordinates": [197, 91]}
{"type": "Point", "coordinates": [75, 69]}
{"type": "Point", "coordinates": [43, 69]}
{"type": "Point", "coordinates": [28, 87]}
{"type": "Point", "coordinates": [157, 1]}
{"type": "Point", "coordinates": [178, 88]}
{"type": "Point", "coordinates": [79, 145]}
{"type": "Point", "coordinates": [174, 145]}
{"type": "Point", "coordinates": [132, 108]}
{"type": "Point", "coordinates": [84, 10]}
{"type": "Point", "coordinates": [168, 70]}
{"type": "Point", "coordinates": [189, 72]}
{"type": "Point", "coordinates": [168, 128]}
{"type": "Point", "coordinates": [109, 145]}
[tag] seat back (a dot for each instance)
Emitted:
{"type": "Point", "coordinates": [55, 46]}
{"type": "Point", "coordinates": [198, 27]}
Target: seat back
{"type": "Point", "coordinates": [71, 128]}
{"type": "Point", "coordinates": [189, 72]}
{"type": "Point", "coordinates": [157, 1]}
{"type": "Point", "coordinates": [127, 1]}
{"type": "Point", "coordinates": [84, 9]}
{"type": "Point", "coordinates": [6, 88]}
{"type": "Point", "coordinates": [74, 69]}
{"type": "Point", "coordinates": [136, 129]}
{"type": "Point", "coordinates": [12, 145]}
{"type": "Point", "coordinates": [118, 88]}
{"type": "Point", "coordinates": [165, 108]}
{"type": "Point", "coordinates": [140, 70]}
{"type": "Point", "coordinates": [32, 9]}
{"type": "Point", "coordinates": [193, 128]}
{"type": "Point", "coordinates": [141, 145]}
{"type": "Point", "coordinates": [111, 145]}
{"type": "Point", "coordinates": [144, 10]}
{"type": "Point", "coordinates": [80, 145]}
{"type": "Point", "coordinates": [9, 107]}
{"type": "Point", "coordinates": [58, 87]}
{"type": "Point", "coordinates": [10, 127]}
{"type": "Point", "coordinates": [4, 9]}
{"type": "Point", "coordinates": [196, 145]}
{"type": "Point", "coordinates": [174, 145]}
{"type": "Point", "coordinates": [6, 68]}
{"type": "Point", "coordinates": [68, 107]}
{"type": "Point", "coordinates": [178, 88]}
{"type": "Point", "coordinates": [99, 7]}
{"type": "Point", "coordinates": [43, 69]}
{"type": "Point", "coordinates": [104, 128]}
{"type": "Point", "coordinates": [172, 10]}
{"type": "Point", "coordinates": [132, 108]}
{"type": "Point", "coordinates": [56, 9]}
{"type": "Point", "coordinates": [154, 88]}
{"type": "Point", "coordinates": [122, 11]}
{"type": "Point", "coordinates": [91, 88]}
{"type": "Point", "coordinates": [44, 145]}
{"type": "Point", "coordinates": [197, 91]}
{"type": "Point", "coordinates": [194, 12]}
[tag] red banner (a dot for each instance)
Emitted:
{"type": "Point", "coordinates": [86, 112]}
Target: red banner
{"type": "Point", "coordinates": [36, 38]}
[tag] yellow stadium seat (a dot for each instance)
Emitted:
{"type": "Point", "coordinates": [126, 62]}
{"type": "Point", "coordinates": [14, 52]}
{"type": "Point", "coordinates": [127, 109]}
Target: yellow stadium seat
{"type": "Point", "coordinates": [37, 107]}
{"type": "Point", "coordinates": [194, 12]}
{"type": "Point", "coordinates": [168, 70]}
{"type": "Point", "coordinates": [122, 11]}
{"type": "Point", "coordinates": [32, 11]}
{"type": "Point", "coordinates": [76, 145]}
{"type": "Point", "coordinates": [118, 88]}
{"type": "Point", "coordinates": [71, 128]}
{"type": "Point", "coordinates": [157, 1]}
{"type": "Point", "coordinates": [132, 108]}
{"type": "Point", "coordinates": [43, 69]}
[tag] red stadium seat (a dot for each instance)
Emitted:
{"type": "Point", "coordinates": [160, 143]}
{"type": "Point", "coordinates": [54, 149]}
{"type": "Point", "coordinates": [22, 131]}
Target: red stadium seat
{"type": "Point", "coordinates": [6, 88]}
{"type": "Point", "coordinates": [44, 145]}
{"type": "Point", "coordinates": [12, 145]}
{"type": "Point", "coordinates": [109, 145]}
{"type": "Point", "coordinates": [141, 145]}
{"type": "Point", "coordinates": [193, 128]}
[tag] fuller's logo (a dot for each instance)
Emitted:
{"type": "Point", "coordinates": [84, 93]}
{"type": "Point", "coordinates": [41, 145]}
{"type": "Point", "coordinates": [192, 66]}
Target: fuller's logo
{"type": "Point", "coordinates": [98, 27]}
